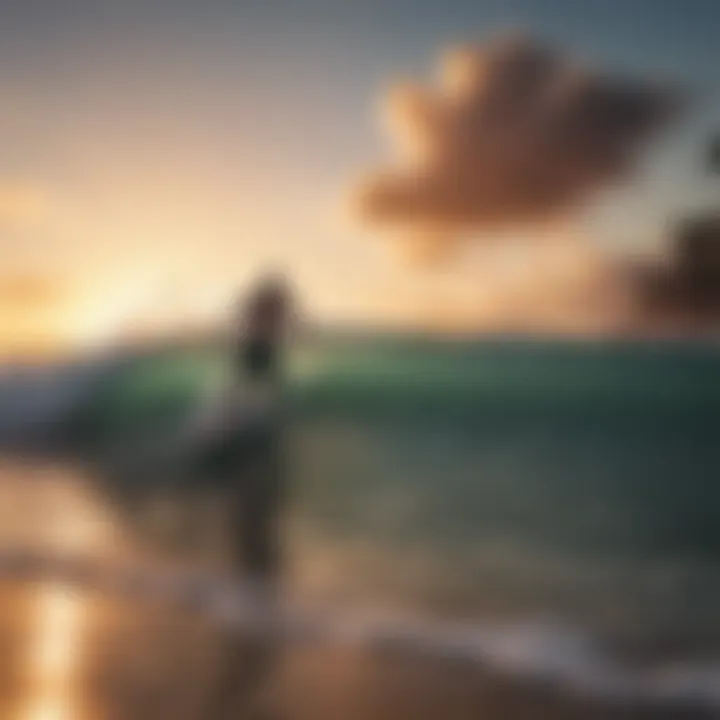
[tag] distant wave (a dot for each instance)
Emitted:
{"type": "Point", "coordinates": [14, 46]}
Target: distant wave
{"type": "Point", "coordinates": [384, 375]}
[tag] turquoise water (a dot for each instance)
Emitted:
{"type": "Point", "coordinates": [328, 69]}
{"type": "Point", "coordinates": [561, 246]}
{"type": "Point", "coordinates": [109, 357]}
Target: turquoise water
{"type": "Point", "coordinates": [491, 479]}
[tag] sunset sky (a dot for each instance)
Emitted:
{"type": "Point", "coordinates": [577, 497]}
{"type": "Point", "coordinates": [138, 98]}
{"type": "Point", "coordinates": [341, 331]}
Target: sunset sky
{"type": "Point", "coordinates": [155, 154]}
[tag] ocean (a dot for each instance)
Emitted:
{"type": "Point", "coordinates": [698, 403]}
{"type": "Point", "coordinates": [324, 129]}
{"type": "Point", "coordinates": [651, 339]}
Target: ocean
{"type": "Point", "coordinates": [553, 502]}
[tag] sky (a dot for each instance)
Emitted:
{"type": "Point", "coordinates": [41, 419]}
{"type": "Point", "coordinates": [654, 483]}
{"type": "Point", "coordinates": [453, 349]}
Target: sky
{"type": "Point", "coordinates": [156, 154]}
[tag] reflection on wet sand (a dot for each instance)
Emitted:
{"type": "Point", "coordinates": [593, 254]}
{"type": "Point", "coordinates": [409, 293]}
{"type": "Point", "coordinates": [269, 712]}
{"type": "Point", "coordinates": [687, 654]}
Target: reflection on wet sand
{"type": "Point", "coordinates": [63, 516]}
{"type": "Point", "coordinates": [53, 655]}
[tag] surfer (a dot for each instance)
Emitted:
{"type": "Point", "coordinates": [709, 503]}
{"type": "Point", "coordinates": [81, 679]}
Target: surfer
{"type": "Point", "coordinates": [263, 324]}
{"type": "Point", "coordinates": [251, 462]}
{"type": "Point", "coordinates": [241, 431]}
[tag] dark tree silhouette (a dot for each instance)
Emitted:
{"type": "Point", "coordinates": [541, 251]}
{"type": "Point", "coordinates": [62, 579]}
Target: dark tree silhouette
{"type": "Point", "coordinates": [713, 158]}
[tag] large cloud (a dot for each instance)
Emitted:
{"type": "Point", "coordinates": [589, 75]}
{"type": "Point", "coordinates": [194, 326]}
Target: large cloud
{"type": "Point", "coordinates": [512, 132]}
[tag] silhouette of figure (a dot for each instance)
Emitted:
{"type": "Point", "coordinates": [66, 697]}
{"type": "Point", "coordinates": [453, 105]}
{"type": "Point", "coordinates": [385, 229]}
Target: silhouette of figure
{"type": "Point", "coordinates": [256, 501]}
{"type": "Point", "coordinates": [263, 325]}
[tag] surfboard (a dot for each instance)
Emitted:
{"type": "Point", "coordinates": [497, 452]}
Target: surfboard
{"type": "Point", "coordinates": [169, 412]}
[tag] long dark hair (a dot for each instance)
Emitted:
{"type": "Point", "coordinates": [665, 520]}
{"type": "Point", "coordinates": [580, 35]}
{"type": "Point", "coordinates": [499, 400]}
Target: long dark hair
{"type": "Point", "coordinates": [267, 306]}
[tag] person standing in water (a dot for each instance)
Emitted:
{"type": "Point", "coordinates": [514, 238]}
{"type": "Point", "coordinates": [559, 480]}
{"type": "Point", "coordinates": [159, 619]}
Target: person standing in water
{"type": "Point", "coordinates": [259, 364]}
{"type": "Point", "coordinates": [255, 473]}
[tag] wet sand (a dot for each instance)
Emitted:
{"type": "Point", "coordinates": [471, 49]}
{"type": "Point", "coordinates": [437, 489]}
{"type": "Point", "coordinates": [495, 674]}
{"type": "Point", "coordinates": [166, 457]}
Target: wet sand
{"type": "Point", "coordinates": [65, 656]}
